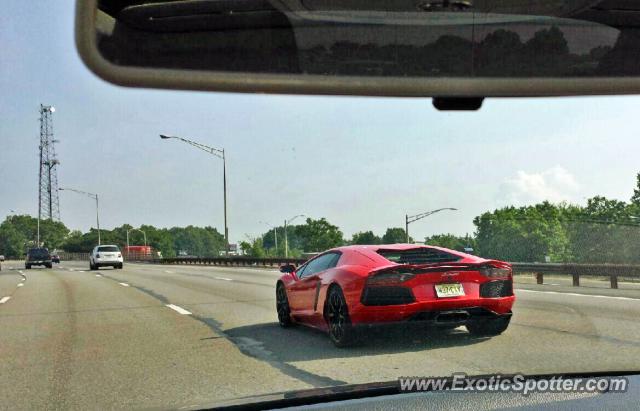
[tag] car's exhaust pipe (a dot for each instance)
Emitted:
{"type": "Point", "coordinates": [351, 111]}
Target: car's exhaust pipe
{"type": "Point", "coordinates": [449, 317]}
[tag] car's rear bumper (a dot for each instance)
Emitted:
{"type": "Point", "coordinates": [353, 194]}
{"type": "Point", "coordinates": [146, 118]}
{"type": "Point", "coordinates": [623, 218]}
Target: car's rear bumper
{"type": "Point", "coordinates": [446, 318]}
{"type": "Point", "coordinates": [107, 262]}
{"type": "Point", "coordinates": [38, 262]}
{"type": "Point", "coordinates": [104, 261]}
{"type": "Point", "coordinates": [431, 310]}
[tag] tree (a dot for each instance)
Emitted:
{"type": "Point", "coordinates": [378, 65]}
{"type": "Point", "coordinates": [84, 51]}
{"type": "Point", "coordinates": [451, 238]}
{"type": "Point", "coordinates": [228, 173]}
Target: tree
{"type": "Point", "coordinates": [525, 234]}
{"type": "Point", "coordinates": [253, 248]}
{"type": "Point", "coordinates": [19, 232]}
{"type": "Point", "coordinates": [365, 237]}
{"type": "Point", "coordinates": [605, 231]}
{"type": "Point", "coordinates": [395, 235]}
{"type": "Point", "coordinates": [12, 242]}
{"type": "Point", "coordinates": [635, 199]}
{"type": "Point", "coordinates": [452, 242]}
{"type": "Point", "coordinates": [319, 235]}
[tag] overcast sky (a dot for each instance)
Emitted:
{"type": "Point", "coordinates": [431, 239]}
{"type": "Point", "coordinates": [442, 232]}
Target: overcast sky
{"type": "Point", "coordinates": [360, 162]}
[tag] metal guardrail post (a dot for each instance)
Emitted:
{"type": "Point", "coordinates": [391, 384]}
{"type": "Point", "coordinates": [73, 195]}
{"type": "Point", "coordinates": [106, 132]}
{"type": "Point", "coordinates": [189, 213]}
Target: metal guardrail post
{"type": "Point", "coordinates": [614, 280]}
{"type": "Point", "coordinates": [539, 278]}
{"type": "Point", "coordinates": [576, 279]}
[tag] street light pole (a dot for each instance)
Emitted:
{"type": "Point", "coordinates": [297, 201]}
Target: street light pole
{"type": "Point", "coordinates": [286, 241]}
{"type": "Point", "coordinates": [220, 154]}
{"type": "Point", "coordinates": [92, 195]}
{"type": "Point", "coordinates": [408, 219]}
{"type": "Point", "coordinates": [406, 227]}
{"type": "Point", "coordinates": [98, 220]}
{"type": "Point", "coordinates": [224, 189]}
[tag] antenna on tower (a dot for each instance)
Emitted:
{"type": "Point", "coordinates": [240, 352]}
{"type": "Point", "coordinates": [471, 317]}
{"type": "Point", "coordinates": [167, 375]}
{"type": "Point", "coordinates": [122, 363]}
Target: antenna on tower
{"type": "Point", "coordinates": [48, 202]}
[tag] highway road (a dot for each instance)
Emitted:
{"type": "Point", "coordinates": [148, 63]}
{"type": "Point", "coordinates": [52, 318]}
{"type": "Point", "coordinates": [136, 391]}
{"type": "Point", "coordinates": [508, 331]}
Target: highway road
{"type": "Point", "coordinates": [171, 336]}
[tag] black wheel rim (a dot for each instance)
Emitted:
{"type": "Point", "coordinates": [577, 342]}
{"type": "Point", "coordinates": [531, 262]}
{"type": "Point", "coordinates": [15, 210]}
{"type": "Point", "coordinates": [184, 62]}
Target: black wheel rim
{"type": "Point", "coordinates": [282, 305]}
{"type": "Point", "coordinates": [337, 314]}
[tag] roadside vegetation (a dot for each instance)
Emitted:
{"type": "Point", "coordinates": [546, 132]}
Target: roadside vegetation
{"type": "Point", "coordinates": [602, 231]}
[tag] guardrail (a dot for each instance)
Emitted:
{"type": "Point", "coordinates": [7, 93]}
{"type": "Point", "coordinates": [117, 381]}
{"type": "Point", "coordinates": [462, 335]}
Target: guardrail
{"type": "Point", "coordinates": [65, 256]}
{"type": "Point", "coordinates": [613, 271]}
{"type": "Point", "coordinates": [233, 261]}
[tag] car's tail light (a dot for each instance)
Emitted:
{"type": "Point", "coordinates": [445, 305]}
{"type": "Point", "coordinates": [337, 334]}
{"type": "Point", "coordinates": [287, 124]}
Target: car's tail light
{"type": "Point", "coordinates": [495, 272]}
{"type": "Point", "coordinates": [496, 289]}
{"type": "Point", "coordinates": [389, 278]}
{"type": "Point", "coordinates": [97, 255]}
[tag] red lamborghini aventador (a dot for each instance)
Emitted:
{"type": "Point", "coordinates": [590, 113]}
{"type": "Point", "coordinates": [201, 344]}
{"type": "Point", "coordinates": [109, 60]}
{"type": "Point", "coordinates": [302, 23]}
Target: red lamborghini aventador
{"type": "Point", "coordinates": [362, 285]}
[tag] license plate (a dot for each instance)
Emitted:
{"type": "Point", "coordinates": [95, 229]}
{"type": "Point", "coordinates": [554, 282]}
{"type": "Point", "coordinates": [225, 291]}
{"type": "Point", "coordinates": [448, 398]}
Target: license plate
{"type": "Point", "coordinates": [449, 290]}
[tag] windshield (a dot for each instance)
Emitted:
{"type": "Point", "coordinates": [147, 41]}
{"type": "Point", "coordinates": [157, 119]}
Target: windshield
{"type": "Point", "coordinates": [420, 255]}
{"type": "Point", "coordinates": [108, 248]}
{"type": "Point", "coordinates": [526, 211]}
{"type": "Point", "coordinates": [39, 252]}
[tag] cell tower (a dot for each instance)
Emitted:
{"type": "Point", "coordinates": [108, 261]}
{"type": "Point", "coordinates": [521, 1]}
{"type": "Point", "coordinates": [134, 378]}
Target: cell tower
{"type": "Point", "coordinates": [48, 202]}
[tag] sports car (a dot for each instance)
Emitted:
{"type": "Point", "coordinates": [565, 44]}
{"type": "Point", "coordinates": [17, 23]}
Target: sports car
{"type": "Point", "coordinates": [348, 288]}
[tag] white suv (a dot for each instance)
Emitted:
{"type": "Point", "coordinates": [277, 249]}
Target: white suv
{"type": "Point", "coordinates": [105, 255]}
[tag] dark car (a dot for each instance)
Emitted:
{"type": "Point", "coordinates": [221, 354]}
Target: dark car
{"type": "Point", "coordinates": [38, 256]}
{"type": "Point", "coordinates": [55, 259]}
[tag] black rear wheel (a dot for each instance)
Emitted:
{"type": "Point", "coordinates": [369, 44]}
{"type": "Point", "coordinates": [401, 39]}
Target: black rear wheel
{"type": "Point", "coordinates": [341, 331]}
{"type": "Point", "coordinates": [282, 306]}
{"type": "Point", "coordinates": [488, 327]}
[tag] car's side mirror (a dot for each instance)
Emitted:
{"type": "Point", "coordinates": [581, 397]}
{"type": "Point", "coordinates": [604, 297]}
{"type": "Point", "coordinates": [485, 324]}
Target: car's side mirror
{"type": "Point", "coordinates": [287, 268]}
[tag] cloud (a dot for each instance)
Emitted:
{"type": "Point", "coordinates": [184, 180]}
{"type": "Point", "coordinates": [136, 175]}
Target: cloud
{"type": "Point", "coordinates": [554, 184]}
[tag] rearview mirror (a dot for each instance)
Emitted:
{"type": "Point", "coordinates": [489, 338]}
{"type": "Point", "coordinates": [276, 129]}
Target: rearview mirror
{"type": "Point", "coordinates": [287, 268]}
{"type": "Point", "coordinates": [404, 48]}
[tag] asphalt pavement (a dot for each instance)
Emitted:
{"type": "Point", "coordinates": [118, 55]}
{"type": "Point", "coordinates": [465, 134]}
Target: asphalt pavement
{"type": "Point", "coordinates": [170, 336]}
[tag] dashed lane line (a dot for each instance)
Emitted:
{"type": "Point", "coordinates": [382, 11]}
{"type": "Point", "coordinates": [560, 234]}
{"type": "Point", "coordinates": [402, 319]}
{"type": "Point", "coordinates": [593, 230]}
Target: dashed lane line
{"type": "Point", "coordinates": [178, 309]}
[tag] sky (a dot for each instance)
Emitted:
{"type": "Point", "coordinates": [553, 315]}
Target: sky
{"type": "Point", "coordinates": [361, 162]}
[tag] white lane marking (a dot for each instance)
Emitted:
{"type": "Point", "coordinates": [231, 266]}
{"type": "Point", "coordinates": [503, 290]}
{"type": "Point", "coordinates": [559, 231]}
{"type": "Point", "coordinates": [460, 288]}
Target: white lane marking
{"type": "Point", "coordinates": [4, 299]}
{"type": "Point", "coordinates": [168, 272]}
{"type": "Point", "coordinates": [124, 284]}
{"type": "Point", "coordinates": [71, 269]}
{"type": "Point", "coordinates": [579, 295]}
{"type": "Point", "coordinates": [98, 275]}
{"type": "Point", "coordinates": [224, 279]}
{"type": "Point", "coordinates": [179, 309]}
{"type": "Point", "coordinates": [81, 271]}
{"type": "Point", "coordinates": [21, 285]}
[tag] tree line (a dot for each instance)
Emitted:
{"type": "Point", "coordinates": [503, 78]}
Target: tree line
{"type": "Point", "coordinates": [602, 231]}
{"type": "Point", "coordinates": [18, 233]}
